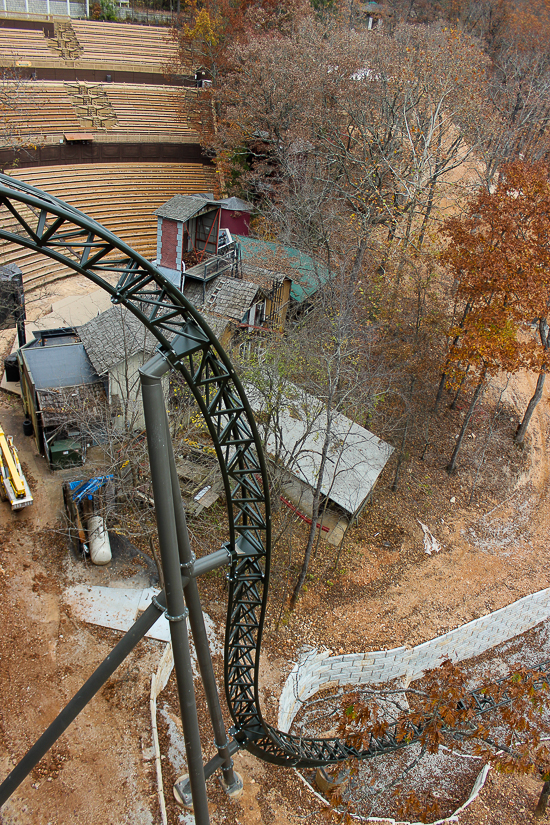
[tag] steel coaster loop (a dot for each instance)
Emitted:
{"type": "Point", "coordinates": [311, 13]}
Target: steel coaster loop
{"type": "Point", "coordinates": [45, 224]}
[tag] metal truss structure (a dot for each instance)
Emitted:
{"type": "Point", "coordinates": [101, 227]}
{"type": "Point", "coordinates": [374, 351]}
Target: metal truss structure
{"type": "Point", "coordinates": [40, 222]}
{"type": "Point", "coordinates": [45, 224]}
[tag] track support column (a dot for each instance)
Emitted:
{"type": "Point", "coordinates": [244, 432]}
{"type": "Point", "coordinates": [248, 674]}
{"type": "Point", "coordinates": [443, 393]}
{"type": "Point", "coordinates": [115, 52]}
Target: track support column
{"type": "Point", "coordinates": [151, 375]}
{"type": "Point", "coordinates": [231, 780]}
{"type": "Point", "coordinates": [158, 446]}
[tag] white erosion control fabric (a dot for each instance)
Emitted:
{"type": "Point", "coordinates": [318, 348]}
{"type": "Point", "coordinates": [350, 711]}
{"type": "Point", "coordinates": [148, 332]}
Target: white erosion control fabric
{"type": "Point", "coordinates": [114, 607]}
{"type": "Point", "coordinates": [119, 607]}
{"type": "Point", "coordinates": [431, 544]}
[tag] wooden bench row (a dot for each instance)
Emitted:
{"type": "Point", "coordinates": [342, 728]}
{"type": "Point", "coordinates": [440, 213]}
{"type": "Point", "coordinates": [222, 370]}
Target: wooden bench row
{"type": "Point", "coordinates": [132, 33]}
{"type": "Point", "coordinates": [46, 108]}
{"type": "Point", "coordinates": [122, 197]}
{"type": "Point", "coordinates": [140, 44]}
{"type": "Point", "coordinates": [81, 173]}
{"type": "Point", "coordinates": [134, 108]}
{"type": "Point", "coordinates": [24, 44]}
{"type": "Point", "coordinates": [101, 43]}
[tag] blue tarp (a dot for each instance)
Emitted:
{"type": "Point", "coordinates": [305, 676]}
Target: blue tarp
{"type": "Point", "coordinates": [86, 489]}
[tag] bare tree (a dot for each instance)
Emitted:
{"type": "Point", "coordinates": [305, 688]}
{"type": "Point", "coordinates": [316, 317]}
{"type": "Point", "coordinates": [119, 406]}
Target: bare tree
{"type": "Point", "coordinates": [16, 94]}
{"type": "Point", "coordinates": [368, 128]}
{"type": "Point", "coordinates": [438, 711]}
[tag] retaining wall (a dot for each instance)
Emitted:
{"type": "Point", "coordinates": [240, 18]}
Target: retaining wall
{"type": "Point", "coordinates": [318, 669]}
{"type": "Point", "coordinates": [56, 8]}
{"type": "Point", "coordinates": [79, 10]}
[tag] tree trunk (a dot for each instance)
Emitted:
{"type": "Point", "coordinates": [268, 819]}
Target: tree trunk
{"type": "Point", "coordinates": [433, 183]}
{"type": "Point", "coordinates": [452, 463]}
{"type": "Point", "coordinates": [427, 213]}
{"type": "Point", "coordinates": [314, 519]}
{"type": "Point", "coordinates": [400, 456]}
{"type": "Point", "coordinates": [439, 395]}
{"type": "Point", "coordinates": [307, 557]}
{"type": "Point", "coordinates": [404, 437]}
{"type": "Point", "coordinates": [404, 245]}
{"type": "Point", "coordinates": [540, 810]}
{"type": "Point", "coordinates": [447, 362]}
{"type": "Point", "coordinates": [426, 436]}
{"type": "Point", "coordinates": [389, 243]}
{"type": "Point", "coordinates": [537, 395]}
{"type": "Point", "coordinates": [454, 402]}
{"type": "Point", "coordinates": [358, 260]}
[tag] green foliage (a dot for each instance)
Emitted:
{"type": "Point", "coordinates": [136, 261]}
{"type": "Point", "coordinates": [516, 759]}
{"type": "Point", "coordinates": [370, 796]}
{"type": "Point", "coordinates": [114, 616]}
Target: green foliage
{"type": "Point", "coordinates": [104, 10]}
{"type": "Point", "coordinates": [325, 8]}
{"type": "Point", "coordinates": [108, 10]}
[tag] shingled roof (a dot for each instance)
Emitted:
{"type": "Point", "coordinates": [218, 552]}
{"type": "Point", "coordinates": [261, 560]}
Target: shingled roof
{"type": "Point", "coordinates": [114, 336]}
{"type": "Point", "coordinates": [235, 204]}
{"type": "Point", "coordinates": [65, 406]}
{"type": "Point", "coordinates": [184, 207]}
{"type": "Point", "coordinates": [228, 297]}
{"type": "Point", "coordinates": [217, 325]}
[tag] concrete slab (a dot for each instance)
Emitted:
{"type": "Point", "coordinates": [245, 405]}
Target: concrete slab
{"type": "Point", "coordinates": [10, 386]}
{"type": "Point", "coordinates": [74, 310]}
{"type": "Point", "coordinates": [118, 608]}
{"type": "Point", "coordinates": [301, 496]}
{"type": "Point", "coordinates": [114, 607]}
{"type": "Point", "coordinates": [337, 533]}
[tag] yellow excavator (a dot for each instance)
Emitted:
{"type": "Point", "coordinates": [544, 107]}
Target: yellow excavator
{"type": "Point", "coordinates": [13, 484]}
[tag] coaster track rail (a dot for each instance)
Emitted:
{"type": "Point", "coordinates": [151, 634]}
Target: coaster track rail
{"type": "Point", "coordinates": [40, 222]}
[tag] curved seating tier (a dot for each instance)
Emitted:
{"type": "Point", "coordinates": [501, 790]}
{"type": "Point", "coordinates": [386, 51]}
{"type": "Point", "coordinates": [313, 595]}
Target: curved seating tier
{"type": "Point", "coordinates": [43, 109]}
{"type": "Point", "coordinates": [17, 45]}
{"type": "Point", "coordinates": [148, 46]}
{"type": "Point", "coordinates": [51, 108]}
{"type": "Point", "coordinates": [122, 197]}
{"type": "Point", "coordinates": [149, 108]}
{"type": "Point", "coordinates": [94, 43]}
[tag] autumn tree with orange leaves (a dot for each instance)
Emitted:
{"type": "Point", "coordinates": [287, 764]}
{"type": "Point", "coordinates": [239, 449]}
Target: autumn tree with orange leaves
{"type": "Point", "coordinates": [501, 722]}
{"type": "Point", "coordinates": [206, 31]}
{"type": "Point", "coordinates": [499, 253]}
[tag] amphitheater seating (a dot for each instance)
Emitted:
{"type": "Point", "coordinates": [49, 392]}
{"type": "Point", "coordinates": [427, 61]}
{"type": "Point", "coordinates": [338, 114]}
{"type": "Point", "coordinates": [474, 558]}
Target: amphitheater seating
{"type": "Point", "coordinates": [18, 45]}
{"type": "Point", "coordinates": [43, 109]}
{"type": "Point", "coordinates": [147, 108]}
{"type": "Point", "coordinates": [50, 108]}
{"type": "Point", "coordinates": [147, 48]}
{"type": "Point", "coordinates": [122, 197]}
{"type": "Point", "coordinates": [107, 43]}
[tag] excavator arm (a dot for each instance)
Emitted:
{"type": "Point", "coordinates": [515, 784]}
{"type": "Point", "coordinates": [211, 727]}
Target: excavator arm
{"type": "Point", "coordinates": [14, 483]}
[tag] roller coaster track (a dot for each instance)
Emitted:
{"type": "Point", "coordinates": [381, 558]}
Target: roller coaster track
{"type": "Point", "coordinates": [40, 222]}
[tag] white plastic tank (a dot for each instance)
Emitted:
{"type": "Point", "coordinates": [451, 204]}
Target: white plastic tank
{"type": "Point", "coordinates": [98, 541]}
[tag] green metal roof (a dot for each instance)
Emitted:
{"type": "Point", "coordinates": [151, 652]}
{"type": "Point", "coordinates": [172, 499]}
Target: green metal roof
{"type": "Point", "coordinates": [307, 274]}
